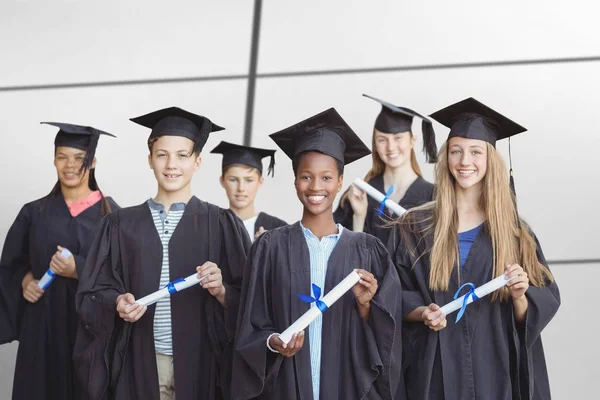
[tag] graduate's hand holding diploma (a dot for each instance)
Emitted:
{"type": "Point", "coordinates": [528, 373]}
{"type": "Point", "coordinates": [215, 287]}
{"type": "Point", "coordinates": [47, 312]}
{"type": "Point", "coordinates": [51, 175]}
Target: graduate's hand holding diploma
{"type": "Point", "coordinates": [213, 282]}
{"type": "Point", "coordinates": [433, 317]}
{"type": "Point", "coordinates": [31, 291]}
{"type": "Point", "coordinates": [364, 290]}
{"type": "Point", "coordinates": [358, 201]}
{"type": "Point", "coordinates": [128, 309]}
{"type": "Point", "coordinates": [518, 285]}
{"type": "Point", "coordinates": [63, 266]}
{"type": "Point", "coordinates": [290, 349]}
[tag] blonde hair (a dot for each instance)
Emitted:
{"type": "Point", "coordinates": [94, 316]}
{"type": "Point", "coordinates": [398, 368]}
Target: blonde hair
{"type": "Point", "coordinates": [511, 239]}
{"type": "Point", "coordinates": [378, 166]}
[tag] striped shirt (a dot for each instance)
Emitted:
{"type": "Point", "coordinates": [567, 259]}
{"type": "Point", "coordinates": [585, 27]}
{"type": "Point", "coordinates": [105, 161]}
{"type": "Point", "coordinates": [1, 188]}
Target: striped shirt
{"type": "Point", "coordinates": [165, 225]}
{"type": "Point", "coordinates": [320, 251]}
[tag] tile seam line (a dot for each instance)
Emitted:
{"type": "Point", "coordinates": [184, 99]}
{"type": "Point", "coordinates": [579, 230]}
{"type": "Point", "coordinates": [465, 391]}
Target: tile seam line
{"type": "Point", "coordinates": [267, 75]}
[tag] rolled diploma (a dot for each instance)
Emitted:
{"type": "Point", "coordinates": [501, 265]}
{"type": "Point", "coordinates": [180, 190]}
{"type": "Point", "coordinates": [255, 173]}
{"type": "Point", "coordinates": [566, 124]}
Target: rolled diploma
{"type": "Point", "coordinates": [334, 294]}
{"type": "Point", "coordinates": [481, 291]}
{"type": "Point", "coordinates": [377, 195]}
{"type": "Point", "coordinates": [164, 292]}
{"type": "Point", "coordinates": [49, 275]}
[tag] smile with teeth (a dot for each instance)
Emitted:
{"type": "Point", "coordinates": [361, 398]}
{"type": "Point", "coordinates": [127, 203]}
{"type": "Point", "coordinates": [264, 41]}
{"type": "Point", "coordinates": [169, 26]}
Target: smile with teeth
{"type": "Point", "coordinates": [316, 199]}
{"type": "Point", "coordinates": [172, 176]}
{"type": "Point", "coordinates": [466, 172]}
{"type": "Point", "coordinates": [71, 175]}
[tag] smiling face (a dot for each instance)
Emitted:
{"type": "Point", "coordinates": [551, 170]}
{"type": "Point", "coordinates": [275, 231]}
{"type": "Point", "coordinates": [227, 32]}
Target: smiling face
{"type": "Point", "coordinates": [317, 182]}
{"type": "Point", "coordinates": [394, 149]}
{"type": "Point", "coordinates": [68, 162]}
{"type": "Point", "coordinates": [173, 162]}
{"type": "Point", "coordinates": [241, 183]}
{"type": "Point", "coordinates": [467, 161]}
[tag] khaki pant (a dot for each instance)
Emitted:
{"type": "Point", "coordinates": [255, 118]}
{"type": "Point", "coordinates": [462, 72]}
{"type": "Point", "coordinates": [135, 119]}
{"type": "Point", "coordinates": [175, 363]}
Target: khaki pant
{"type": "Point", "coordinates": [166, 376]}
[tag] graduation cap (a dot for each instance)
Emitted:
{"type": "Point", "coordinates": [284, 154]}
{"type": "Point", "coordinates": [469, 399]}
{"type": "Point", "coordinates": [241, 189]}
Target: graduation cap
{"type": "Point", "coordinates": [326, 133]}
{"type": "Point", "coordinates": [174, 121]}
{"type": "Point", "coordinates": [79, 137]}
{"type": "Point", "coordinates": [245, 155]}
{"type": "Point", "coordinates": [394, 119]}
{"type": "Point", "coordinates": [472, 119]}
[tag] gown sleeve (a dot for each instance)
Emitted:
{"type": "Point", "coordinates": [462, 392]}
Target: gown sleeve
{"type": "Point", "coordinates": [384, 328]}
{"type": "Point", "coordinates": [254, 364]}
{"type": "Point", "coordinates": [14, 265]}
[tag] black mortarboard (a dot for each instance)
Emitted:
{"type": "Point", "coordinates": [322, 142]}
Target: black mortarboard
{"type": "Point", "coordinates": [174, 121]}
{"type": "Point", "coordinates": [395, 119]}
{"type": "Point", "coordinates": [326, 133]}
{"type": "Point", "coordinates": [245, 155]}
{"type": "Point", "coordinates": [79, 137]}
{"type": "Point", "coordinates": [474, 120]}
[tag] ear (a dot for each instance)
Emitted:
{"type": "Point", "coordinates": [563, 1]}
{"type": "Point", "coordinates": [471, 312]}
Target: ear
{"type": "Point", "coordinates": [197, 162]}
{"type": "Point", "coordinates": [93, 164]}
{"type": "Point", "coordinates": [340, 182]}
{"type": "Point", "coordinates": [222, 181]}
{"type": "Point", "coordinates": [413, 140]}
{"type": "Point", "coordinates": [260, 181]}
{"type": "Point", "coordinates": [150, 161]}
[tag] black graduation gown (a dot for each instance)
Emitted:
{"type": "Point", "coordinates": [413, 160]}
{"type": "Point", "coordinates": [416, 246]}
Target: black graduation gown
{"type": "Point", "coordinates": [486, 355]}
{"type": "Point", "coordinates": [418, 193]}
{"type": "Point", "coordinates": [268, 222]}
{"type": "Point", "coordinates": [359, 360]}
{"type": "Point", "coordinates": [45, 330]}
{"type": "Point", "coordinates": [117, 359]}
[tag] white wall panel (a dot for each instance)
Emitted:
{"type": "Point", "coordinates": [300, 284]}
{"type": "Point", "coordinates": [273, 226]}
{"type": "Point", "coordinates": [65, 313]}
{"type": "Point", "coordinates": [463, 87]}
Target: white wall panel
{"type": "Point", "coordinates": [340, 34]}
{"type": "Point", "coordinates": [73, 41]}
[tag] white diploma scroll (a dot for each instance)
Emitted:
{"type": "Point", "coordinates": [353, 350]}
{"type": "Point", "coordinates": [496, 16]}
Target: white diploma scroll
{"type": "Point", "coordinates": [334, 294]}
{"type": "Point", "coordinates": [377, 195]}
{"type": "Point", "coordinates": [172, 287]}
{"type": "Point", "coordinates": [49, 275]}
{"type": "Point", "coordinates": [480, 292]}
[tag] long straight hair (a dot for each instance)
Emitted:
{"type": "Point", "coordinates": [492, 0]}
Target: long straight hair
{"type": "Point", "coordinates": [511, 239]}
{"type": "Point", "coordinates": [378, 166]}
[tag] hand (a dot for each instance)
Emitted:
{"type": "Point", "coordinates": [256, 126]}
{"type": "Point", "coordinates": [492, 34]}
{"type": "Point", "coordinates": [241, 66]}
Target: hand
{"type": "Point", "coordinates": [358, 201]}
{"type": "Point", "coordinates": [365, 288]}
{"type": "Point", "coordinates": [63, 266]}
{"type": "Point", "coordinates": [214, 281]}
{"type": "Point", "coordinates": [261, 230]}
{"type": "Point", "coordinates": [128, 309]}
{"type": "Point", "coordinates": [434, 318]}
{"type": "Point", "coordinates": [519, 285]}
{"type": "Point", "coordinates": [31, 290]}
{"type": "Point", "coordinates": [290, 349]}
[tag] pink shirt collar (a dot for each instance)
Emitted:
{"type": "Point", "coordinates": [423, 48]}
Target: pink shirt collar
{"type": "Point", "coordinates": [79, 206]}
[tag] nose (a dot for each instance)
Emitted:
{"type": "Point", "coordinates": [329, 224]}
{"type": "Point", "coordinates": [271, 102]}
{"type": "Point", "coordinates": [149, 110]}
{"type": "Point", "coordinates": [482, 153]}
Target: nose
{"type": "Point", "coordinates": [465, 159]}
{"type": "Point", "coordinates": [315, 185]}
{"type": "Point", "coordinates": [171, 163]}
{"type": "Point", "coordinates": [241, 186]}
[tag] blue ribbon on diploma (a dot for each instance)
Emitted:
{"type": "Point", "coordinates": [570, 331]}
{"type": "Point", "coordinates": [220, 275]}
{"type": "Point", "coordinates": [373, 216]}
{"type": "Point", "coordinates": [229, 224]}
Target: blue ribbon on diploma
{"type": "Point", "coordinates": [171, 285]}
{"type": "Point", "coordinates": [308, 299]}
{"type": "Point", "coordinates": [471, 293]}
{"type": "Point", "coordinates": [382, 204]}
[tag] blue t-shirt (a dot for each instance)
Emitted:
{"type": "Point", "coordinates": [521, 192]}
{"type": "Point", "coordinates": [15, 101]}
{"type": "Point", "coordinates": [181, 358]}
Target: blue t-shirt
{"type": "Point", "coordinates": [465, 241]}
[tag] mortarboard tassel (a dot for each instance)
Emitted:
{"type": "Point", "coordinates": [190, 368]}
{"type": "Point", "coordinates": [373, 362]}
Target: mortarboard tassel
{"type": "Point", "coordinates": [512, 185]}
{"type": "Point", "coordinates": [429, 146]}
{"type": "Point", "coordinates": [88, 160]}
{"type": "Point", "coordinates": [271, 169]}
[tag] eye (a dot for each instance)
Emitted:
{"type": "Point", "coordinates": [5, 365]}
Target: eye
{"type": "Point", "coordinates": [305, 177]}
{"type": "Point", "coordinates": [454, 152]}
{"type": "Point", "coordinates": [183, 155]}
{"type": "Point", "coordinates": [161, 155]}
{"type": "Point", "coordinates": [327, 178]}
{"type": "Point", "coordinates": [476, 152]}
